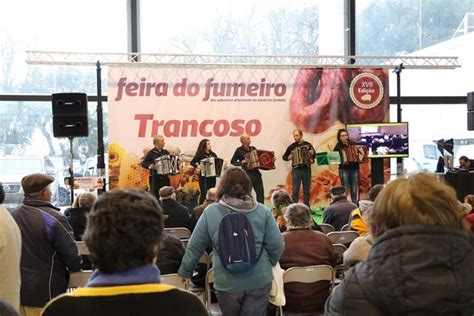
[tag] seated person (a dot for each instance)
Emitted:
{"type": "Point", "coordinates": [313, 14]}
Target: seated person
{"type": "Point", "coordinates": [211, 197]}
{"type": "Point", "coordinates": [122, 235]}
{"type": "Point", "coordinates": [304, 247]}
{"type": "Point", "coordinates": [338, 212]}
{"type": "Point", "coordinates": [280, 201]}
{"type": "Point", "coordinates": [76, 215]}
{"type": "Point", "coordinates": [466, 163]}
{"type": "Point", "coordinates": [170, 254]}
{"type": "Point", "coordinates": [178, 215]}
{"type": "Point", "coordinates": [469, 217]}
{"type": "Point", "coordinates": [359, 248]}
{"type": "Point", "coordinates": [358, 221]}
{"type": "Point", "coordinates": [421, 260]}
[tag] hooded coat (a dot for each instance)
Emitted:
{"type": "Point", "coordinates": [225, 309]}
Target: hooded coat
{"type": "Point", "coordinates": [411, 270]}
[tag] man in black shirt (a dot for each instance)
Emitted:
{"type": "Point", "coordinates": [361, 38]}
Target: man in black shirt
{"type": "Point", "coordinates": [301, 165]}
{"type": "Point", "coordinates": [466, 163]}
{"type": "Point", "coordinates": [238, 159]}
{"type": "Point", "coordinates": [157, 181]}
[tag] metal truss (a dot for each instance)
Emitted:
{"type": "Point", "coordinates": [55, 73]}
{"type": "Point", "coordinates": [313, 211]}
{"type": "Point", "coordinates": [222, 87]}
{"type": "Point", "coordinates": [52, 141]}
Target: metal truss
{"type": "Point", "coordinates": [207, 60]}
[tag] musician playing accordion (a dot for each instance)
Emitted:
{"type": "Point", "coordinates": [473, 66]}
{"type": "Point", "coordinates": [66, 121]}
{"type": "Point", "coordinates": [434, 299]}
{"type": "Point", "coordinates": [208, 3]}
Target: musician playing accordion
{"type": "Point", "coordinates": [302, 154]}
{"type": "Point", "coordinates": [243, 157]}
{"type": "Point", "coordinates": [200, 160]}
{"type": "Point", "coordinates": [157, 181]}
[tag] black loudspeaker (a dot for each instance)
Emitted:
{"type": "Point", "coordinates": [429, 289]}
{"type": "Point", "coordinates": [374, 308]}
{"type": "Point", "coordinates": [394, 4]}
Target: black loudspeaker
{"type": "Point", "coordinates": [470, 121]}
{"type": "Point", "coordinates": [70, 115]}
{"type": "Point", "coordinates": [470, 101]}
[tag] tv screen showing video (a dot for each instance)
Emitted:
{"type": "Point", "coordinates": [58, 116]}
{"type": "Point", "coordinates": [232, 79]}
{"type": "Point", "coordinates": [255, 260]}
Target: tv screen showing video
{"type": "Point", "coordinates": [383, 140]}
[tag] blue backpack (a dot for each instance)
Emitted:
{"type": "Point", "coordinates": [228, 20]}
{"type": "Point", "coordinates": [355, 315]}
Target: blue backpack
{"type": "Point", "coordinates": [236, 242]}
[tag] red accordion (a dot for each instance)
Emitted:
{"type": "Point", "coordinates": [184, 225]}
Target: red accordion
{"type": "Point", "coordinates": [355, 153]}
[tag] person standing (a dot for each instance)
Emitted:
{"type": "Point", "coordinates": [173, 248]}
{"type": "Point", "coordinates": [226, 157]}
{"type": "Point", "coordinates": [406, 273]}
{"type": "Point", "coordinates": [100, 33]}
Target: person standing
{"type": "Point", "coordinates": [238, 159]}
{"type": "Point", "coordinates": [301, 168]}
{"type": "Point", "coordinates": [157, 181]}
{"type": "Point", "coordinates": [48, 251]}
{"type": "Point", "coordinates": [204, 151]}
{"type": "Point", "coordinates": [246, 292]}
{"type": "Point", "coordinates": [348, 173]}
{"type": "Point", "coordinates": [10, 252]}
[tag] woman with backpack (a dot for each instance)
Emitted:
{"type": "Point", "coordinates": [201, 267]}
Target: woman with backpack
{"type": "Point", "coordinates": [236, 228]}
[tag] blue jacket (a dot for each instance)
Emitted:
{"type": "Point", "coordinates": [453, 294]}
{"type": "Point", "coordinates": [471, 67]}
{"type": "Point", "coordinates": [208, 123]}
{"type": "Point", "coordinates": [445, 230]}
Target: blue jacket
{"type": "Point", "coordinates": [267, 235]}
{"type": "Point", "coordinates": [48, 252]}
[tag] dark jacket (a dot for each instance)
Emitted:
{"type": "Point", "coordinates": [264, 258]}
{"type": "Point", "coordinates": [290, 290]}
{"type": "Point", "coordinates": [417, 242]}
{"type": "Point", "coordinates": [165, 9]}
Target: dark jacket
{"type": "Point", "coordinates": [178, 215]}
{"type": "Point", "coordinates": [150, 158]}
{"type": "Point", "coordinates": [239, 155]}
{"type": "Point", "coordinates": [306, 248]}
{"type": "Point", "coordinates": [77, 218]}
{"type": "Point", "coordinates": [411, 270]}
{"type": "Point", "coordinates": [338, 212]}
{"type": "Point", "coordinates": [48, 251]}
{"type": "Point", "coordinates": [350, 165]}
{"type": "Point", "coordinates": [170, 254]}
{"type": "Point", "coordinates": [289, 151]}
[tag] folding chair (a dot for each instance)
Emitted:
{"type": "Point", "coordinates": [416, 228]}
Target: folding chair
{"type": "Point", "coordinates": [344, 238]}
{"type": "Point", "coordinates": [212, 308]}
{"type": "Point", "coordinates": [79, 279]}
{"type": "Point", "coordinates": [175, 279]}
{"type": "Point", "coordinates": [180, 232]}
{"type": "Point", "coordinates": [309, 274]}
{"type": "Point", "coordinates": [339, 268]}
{"type": "Point", "coordinates": [327, 228]}
{"type": "Point", "coordinates": [83, 250]}
{"type": "Point", "coordinates": [345, 228]}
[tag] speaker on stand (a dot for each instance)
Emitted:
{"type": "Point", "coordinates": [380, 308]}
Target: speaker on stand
{"type": "Point", "coordinates": [70, 120]}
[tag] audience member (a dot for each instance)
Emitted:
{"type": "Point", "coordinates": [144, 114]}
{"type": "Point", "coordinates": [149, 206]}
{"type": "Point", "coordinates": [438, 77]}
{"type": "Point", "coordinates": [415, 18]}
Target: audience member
{"type": "Point", "coordinates": [244, 293]}
{"type": "Point", "coordinates": [305, 247]}
{"type": "Point", "coordinates": [338, 212]}
{"type": "Point", "coordinates": [6, 309]}
{"type": "Point", "coordinates": [360, 247]}
{"type": "Point", "coordinates": [178, 215]}
{"type": "Point", "coordinates": [281, 199]}
{"type": "Point", "coordinates": [211, 197]}
{"type": "Point", "coordinates": [421, 261]}
{"type": "Point", "coordinates": [170, 254]}
{"type": "Point", "coordinates": [358, 220]}
{"type": "Point", "coordinates": [122, 235]}
{"type": "Point", "coordinates": [48, 249]}
{"type": "Point", "coordinates": [10, 251]}
{"type": "Point", "coordinates": [469, 218]}
{"type": "Point", "coordinates": [77, 214]}
{"type": "Point", "coordinates": [465, 163]}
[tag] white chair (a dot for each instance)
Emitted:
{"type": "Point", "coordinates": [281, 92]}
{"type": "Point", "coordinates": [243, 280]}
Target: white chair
{"type": "Point", "coordinates": [82, 247]}
{"type": "Point", "coordinates": [327, 228]}
{"type": "Point", "coordinates": [79, 279]}
{"type": "Point", "coordinates": [345, 228]}
{"type": "Point", "coordinates": [309, 274]}
{"type": "Point", "coordinates": [175, 280]}
{"type": "Point", "coordinates": [213, 309]}
{"type": "Point", "coordinates": [344, 238]}
{"type": "Point", "coordinates": [180, 232]}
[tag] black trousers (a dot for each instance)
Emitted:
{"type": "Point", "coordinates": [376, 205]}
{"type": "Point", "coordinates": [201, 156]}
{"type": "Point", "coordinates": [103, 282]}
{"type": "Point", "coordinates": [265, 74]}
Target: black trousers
{"type": "Point", "coordinates": [257, 184]}
{"type": "Point", "coordinates": [205, 183]}
{"type": "Point", "coordinates": [157, 182]}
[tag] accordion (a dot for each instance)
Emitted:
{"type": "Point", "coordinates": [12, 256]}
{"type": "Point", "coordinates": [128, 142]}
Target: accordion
{"type": "Point", "coordinates": [301, 156]}
{"type": "Point", "coordinates": [211, 167]}
{"type": "Point", "coordinates": [262, 159]}
{"type": "Point", "coordinates": [354, 153]}
{"type": "Point", "coordinates": [167, 164]}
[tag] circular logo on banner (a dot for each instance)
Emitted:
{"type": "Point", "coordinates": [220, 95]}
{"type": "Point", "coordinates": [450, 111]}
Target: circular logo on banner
{"type": "Point", "coordinates": [366, 90]}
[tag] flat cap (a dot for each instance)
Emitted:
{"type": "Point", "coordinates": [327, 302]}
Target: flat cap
{"type": "Point", "coordinates": [337, 190]}
{"type": "Point", "coordinates": [35, 182]}
{"type": "Point", "coordinates": [166, 191]}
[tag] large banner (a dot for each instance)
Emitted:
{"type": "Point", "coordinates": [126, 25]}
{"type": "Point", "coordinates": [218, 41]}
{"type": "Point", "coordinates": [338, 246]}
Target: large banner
{"type": "Point", "coordinates": [187, 104]}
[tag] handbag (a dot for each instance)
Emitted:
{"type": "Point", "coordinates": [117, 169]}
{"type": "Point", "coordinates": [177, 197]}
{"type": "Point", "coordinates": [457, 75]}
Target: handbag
{"type": "Point", "coordinates": [277, 292]}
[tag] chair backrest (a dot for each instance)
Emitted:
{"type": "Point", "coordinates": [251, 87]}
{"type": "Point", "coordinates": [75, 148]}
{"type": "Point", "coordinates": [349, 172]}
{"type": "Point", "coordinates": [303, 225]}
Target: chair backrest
{"type": "Point", "coordinates": [345, 228]}
{"type": "Point", "coordinates": [180, 232]}
{"type": "Point", "coordinates": [205, 259]}
{"type": "Point", "coordinates": [83, 250]}
{"type": "Point", "coordinates": [79, 279]}
{"type": "Point", "coordinates": [340, 249]}
{"type": "Point", "coordinates": [344, 238]}
{"type": "Point", "coordinates": [310, 274]}
{"type": "Point", "coordinates": [327, 228]}
{"type": "Point", "coordinates": [175, 279]}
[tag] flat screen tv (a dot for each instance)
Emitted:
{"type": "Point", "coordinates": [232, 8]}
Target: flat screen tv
{"type": "Point", "coordinates": [384, 140]}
